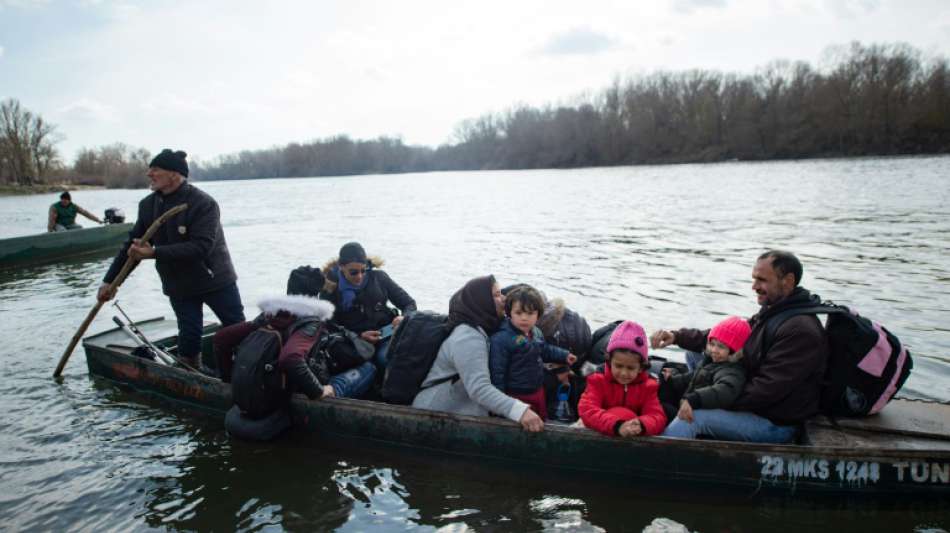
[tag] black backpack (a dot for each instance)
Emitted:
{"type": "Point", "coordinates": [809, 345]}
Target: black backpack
{"type": "Point", "coordinates": [338, 350]}
{"type": "Point", "coordinates": [257, 385]}
{"type": "Point", "coordinates": [867, 364]}
{"type": "Point", "coordinates": [412, 350]}
{"type": "Point", "coordinates": [599, 341]}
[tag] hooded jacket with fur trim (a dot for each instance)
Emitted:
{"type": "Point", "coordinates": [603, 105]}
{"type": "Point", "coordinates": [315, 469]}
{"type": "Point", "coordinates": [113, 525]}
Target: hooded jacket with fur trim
{"type": "Point", "coordinates": [604, 393]}
{"type": "Point", "coordinates": [369, 310]}
{"type": "Point", "coordinates": [280, 313]}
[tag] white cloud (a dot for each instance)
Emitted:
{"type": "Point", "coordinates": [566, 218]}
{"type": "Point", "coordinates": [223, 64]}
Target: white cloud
{"type": "Point", "coordinates": [1, 51]}
{"type": "Point", "coordinates": [848, 9]}
{"type": "Point", "coordinates": [687, 6]}
{"type": "Point", "coordinates": [23, 3]}
{"type": "Point", "coordinates": [581, 41]}
{"type": "Point", "coordinates": [86, 109]}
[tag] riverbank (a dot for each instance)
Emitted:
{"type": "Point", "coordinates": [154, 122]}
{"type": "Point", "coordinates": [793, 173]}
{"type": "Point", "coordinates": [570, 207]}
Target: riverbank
{"type": "Point", "coordinates": [7, 189]}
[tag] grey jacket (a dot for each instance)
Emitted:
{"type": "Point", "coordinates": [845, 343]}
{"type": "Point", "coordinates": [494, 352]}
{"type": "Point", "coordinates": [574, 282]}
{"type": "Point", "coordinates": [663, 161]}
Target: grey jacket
{"type": "Point", "coordinates": [465, 353]}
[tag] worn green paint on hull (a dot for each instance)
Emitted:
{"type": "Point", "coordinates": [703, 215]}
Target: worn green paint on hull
{"type": "Point", "coordinates": [836, 460]}
{"type": "Point", "coordinates": [51, 246]}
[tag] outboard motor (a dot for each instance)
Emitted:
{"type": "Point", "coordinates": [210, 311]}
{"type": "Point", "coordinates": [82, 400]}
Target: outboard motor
{"type": "Point", "coordinates": [114, 215]}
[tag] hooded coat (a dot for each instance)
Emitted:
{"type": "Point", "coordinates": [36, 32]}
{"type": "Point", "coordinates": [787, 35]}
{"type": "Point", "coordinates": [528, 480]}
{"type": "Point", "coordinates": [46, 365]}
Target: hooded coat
{"type": "Point", "coordinates": [281, 313]}
{"type": "Point", "coordinates": [369, 310]}
{"type": "Point", "coordinates": [603, 394]}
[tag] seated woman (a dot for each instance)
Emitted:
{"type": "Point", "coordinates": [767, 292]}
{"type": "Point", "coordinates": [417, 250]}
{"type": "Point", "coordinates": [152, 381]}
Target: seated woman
{"type": "Point", "coordinates": [458, 381]}
{"type": "Point", "coordinates": [360, 295]}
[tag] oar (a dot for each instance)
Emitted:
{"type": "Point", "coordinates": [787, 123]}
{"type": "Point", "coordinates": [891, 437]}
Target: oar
{"type": "Point", "coordinates": [126, 268]}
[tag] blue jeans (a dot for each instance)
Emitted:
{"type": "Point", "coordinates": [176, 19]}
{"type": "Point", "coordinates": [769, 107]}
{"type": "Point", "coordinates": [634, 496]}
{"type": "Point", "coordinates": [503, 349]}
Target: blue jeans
{"type": "Point", "coordinates": [730, 425]}
{"type": "Point", "coordinates": [226, 304]}
{"type": "Point", "coordinates": [354, 382]}
{"type": "Point", "coordinates": [693, 359]}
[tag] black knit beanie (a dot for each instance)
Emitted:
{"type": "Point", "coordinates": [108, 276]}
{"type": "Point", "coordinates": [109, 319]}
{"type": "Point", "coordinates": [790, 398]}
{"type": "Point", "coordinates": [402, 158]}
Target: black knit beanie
{"type": "Point", "coordinates": [169, 160]}
{"type": "Point", "coordinates": [352, 252]}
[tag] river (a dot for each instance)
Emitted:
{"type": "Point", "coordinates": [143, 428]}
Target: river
{"type": "Point", "coordinates": [668, 246]}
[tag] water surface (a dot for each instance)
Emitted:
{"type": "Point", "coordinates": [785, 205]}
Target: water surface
{"type": "Point", "coordinates": [668, 246]}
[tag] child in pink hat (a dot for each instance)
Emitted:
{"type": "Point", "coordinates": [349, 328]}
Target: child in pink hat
{"type": "Point", "coordinates": [623, 400]}
{"type": "Point", "coordinates": [714, 384]}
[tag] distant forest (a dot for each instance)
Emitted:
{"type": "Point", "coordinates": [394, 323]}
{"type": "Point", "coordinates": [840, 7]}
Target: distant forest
{"type": "Point", "coordinates": [866, 100]}
{"type": "Point", "coordinates": [870, 100]}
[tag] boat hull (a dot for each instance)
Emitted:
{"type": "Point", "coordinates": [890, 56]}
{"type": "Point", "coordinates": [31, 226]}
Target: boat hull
{"type": "Point", "coordinates": [48, 247]}
{"type": "Point", "coordinates": [918, 470]}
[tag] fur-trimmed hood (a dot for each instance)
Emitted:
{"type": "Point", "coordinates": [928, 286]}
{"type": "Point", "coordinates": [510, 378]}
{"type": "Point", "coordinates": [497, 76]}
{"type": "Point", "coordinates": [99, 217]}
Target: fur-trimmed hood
{"type": "Point", "coordinates": [553, 313]}
{"type": "Point", "coordinates": [297, 305]}
{"type": "Point", "coordinates": [330, 279]}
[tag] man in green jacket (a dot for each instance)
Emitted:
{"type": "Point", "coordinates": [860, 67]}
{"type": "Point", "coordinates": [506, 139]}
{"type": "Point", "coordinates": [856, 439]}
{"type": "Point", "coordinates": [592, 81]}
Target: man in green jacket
{"type": "Point", "coordinates": [62, 214]}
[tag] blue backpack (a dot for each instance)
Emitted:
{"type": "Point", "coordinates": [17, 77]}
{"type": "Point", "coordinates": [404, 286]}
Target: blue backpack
{"type": "Point", "coordinates": [867, 364]}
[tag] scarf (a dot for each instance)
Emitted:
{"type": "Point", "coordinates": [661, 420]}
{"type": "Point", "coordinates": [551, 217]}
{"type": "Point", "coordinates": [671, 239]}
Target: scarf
{"type": "Point", "coordinates": [473, 305]}
{"type": "Point", "coordinates": [348, 290]}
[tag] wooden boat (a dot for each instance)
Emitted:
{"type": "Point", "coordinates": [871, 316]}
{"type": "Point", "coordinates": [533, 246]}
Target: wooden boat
{"type": "Point", "coordinates": [47, 247]}
{"type": "Point", "coordinates": [905, 450]}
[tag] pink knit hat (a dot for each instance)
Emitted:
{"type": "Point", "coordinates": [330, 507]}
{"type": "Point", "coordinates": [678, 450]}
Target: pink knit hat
{"type": "Point", "coordinates": [629, 336]}
{"type": "Point", "coordinates": [733, 332]}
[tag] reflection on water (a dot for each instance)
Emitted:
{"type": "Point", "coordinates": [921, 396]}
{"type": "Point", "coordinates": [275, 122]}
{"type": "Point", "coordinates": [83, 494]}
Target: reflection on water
{"type": "Point", "coordinates": [668, 246]}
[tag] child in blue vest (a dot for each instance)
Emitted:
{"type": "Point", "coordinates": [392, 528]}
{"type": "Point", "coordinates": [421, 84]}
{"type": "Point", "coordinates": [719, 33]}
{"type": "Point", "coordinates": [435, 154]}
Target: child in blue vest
{"type": "Point", "coordinates": [518, 351]}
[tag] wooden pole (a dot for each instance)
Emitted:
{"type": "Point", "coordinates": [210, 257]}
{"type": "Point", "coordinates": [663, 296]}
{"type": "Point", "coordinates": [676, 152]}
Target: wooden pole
{"type": "Point", "coordinates": [126, 269]}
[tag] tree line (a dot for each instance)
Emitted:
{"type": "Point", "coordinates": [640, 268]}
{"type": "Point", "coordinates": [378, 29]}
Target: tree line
{"type": "Point", "coordinates": [867, 100]}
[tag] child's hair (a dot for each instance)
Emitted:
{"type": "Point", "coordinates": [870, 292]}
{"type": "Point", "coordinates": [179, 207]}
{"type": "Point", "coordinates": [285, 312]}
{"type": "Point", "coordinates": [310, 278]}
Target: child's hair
{"type": "Point", "coordinates": [526, 295]}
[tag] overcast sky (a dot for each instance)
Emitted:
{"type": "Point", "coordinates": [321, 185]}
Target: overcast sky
{"type": "Point", "coordinates": [215, 77]}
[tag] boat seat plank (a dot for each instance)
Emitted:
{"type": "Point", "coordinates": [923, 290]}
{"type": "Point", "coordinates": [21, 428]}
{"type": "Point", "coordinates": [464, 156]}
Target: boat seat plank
{"type": "Point", "coordinates": [822, 435]}
{"type": "Point", "coordinates": [902, 416]}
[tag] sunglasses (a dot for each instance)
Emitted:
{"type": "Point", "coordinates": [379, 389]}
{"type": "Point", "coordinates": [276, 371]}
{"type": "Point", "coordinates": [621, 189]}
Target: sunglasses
{"type": "Point", "coordinates": [356, 271]}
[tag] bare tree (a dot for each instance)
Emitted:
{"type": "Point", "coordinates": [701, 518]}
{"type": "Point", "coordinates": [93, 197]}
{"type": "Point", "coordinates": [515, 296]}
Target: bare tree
{"type": "Point", "coordinates": [27, 144]}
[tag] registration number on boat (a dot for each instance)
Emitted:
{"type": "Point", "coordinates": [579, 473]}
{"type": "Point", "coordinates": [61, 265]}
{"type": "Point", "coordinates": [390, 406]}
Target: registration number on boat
{"type": "Point", "coordinates": [776, 468]}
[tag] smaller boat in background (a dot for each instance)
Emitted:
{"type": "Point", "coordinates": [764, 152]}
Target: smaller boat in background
{"type": "Point", "coordinates": [53, 246]}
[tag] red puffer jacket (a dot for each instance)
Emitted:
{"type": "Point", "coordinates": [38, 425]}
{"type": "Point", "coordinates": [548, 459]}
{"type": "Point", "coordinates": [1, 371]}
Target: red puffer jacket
{"type": "Point", "coordinates": [603, 393]}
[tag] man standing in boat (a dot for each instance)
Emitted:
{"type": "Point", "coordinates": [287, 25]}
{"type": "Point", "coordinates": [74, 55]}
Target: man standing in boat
{"type": "Point", "coordinates": [784, 378]}
{"type": "Point", "coordinates": [190, 253]}
{"type": "Point", "coordinates": [62, 214]}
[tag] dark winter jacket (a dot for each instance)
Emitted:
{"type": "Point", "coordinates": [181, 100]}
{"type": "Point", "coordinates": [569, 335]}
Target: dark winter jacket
{"type": "Point", "coordinates": [191, 255]}
{"type": "Point", "coordinates": [784, 379]}
{"type": "Point", "coordinates": [711, 385]}
{"type": "Point", "coordinates": [603, 393]}
{"type": "Point", "coordinates": [516, 361]}
{"type": "Point", "coordinates": [565, 328]}
{"type": "Point", "coordinates": [369, 310]}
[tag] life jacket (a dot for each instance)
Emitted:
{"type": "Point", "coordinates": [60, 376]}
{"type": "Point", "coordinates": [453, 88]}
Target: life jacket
{"type": "Point", "coordinates": [867, 364]}
{"type": "Point", "coordinates": [412, 350]}
{"type": "Point", "coordinates": [258, 387]}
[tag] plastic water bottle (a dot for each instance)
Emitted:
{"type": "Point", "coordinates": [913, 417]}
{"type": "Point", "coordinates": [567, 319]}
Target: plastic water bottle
{"type": "Point", "coordinates": [563, 412]}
